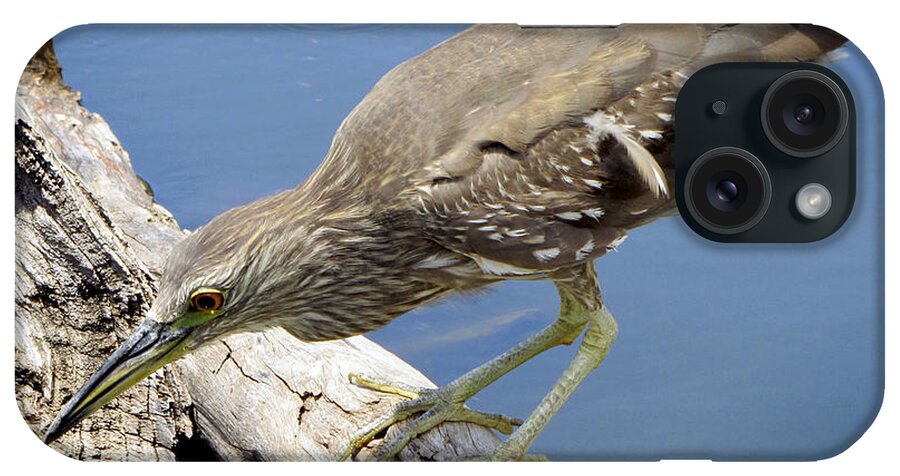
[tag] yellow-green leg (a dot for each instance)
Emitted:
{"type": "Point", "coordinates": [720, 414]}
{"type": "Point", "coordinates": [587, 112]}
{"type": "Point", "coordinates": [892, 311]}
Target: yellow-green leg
{"type": "Point", "coordinates": [580, 305]}
{"type": "Point", "coordinates": [600, 334]}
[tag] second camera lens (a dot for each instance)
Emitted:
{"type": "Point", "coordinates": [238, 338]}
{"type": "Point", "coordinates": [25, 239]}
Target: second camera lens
{"type": "Point", "coordinates": [727, 190]}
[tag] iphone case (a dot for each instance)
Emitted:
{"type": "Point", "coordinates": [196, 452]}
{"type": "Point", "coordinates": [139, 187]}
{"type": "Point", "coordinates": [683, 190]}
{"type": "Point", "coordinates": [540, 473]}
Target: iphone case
{"type": "Point", "coordinates": [724, 351]}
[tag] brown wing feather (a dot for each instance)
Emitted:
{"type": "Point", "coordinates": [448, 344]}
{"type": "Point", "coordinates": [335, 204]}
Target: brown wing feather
{"type": "Point", "coordinates": [534, 149]}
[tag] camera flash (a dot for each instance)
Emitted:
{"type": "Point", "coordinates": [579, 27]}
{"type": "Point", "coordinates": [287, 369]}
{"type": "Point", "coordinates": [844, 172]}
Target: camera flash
{"type": "Point", "coordinates": [813, 201]}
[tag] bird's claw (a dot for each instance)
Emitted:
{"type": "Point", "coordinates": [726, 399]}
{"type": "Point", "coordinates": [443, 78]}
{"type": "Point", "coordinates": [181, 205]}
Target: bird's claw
{"type": "Point", "coordinates": [435, 406]}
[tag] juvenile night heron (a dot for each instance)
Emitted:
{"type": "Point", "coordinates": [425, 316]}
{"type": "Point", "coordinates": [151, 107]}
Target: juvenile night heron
{"type": "Point", "coordinates": [502, 153]}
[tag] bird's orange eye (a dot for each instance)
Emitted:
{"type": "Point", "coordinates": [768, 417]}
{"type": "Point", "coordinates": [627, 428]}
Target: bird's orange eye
{"type": "Point", "coordinates": [207, 301]}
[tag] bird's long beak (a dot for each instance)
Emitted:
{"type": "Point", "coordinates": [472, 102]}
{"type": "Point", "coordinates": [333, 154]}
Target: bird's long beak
{"type": "Point", "coordinates": [150, 347]}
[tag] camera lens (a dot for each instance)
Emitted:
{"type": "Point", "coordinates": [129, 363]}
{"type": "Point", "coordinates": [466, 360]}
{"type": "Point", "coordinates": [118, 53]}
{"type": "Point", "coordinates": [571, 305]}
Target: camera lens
{"type": "Point", "coordinates": [804, 113]}
{"type": "Point", "coordinates": [727, 190]}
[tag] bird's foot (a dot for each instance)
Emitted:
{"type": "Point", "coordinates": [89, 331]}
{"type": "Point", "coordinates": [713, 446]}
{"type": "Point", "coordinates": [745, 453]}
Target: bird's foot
{"type": "Point", "coordinates": [435, 406]}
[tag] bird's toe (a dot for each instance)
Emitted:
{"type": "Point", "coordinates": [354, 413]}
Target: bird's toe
{"type": "Point", "coordinates": [425, 409]}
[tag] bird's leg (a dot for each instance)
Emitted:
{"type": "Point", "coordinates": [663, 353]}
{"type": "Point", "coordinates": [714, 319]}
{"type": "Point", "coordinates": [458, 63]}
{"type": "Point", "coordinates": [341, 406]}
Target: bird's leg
{"type": "Point", "coordinates": [601, 332]}
{"type": "Point", "coordinates": [447, 403]}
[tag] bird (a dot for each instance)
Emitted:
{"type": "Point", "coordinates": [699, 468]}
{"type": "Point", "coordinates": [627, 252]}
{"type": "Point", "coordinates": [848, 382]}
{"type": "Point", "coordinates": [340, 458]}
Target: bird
{"type": "Point", "coordinates": [502, 153]}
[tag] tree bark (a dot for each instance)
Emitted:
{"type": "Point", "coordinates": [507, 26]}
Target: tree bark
{"type": "Point", "coordinates": [90, 245]}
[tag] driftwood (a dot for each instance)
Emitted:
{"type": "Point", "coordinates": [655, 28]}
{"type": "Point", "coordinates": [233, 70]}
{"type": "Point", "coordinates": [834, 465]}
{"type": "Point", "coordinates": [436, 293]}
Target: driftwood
{"type": "Point", "coordinates": [90, 243]}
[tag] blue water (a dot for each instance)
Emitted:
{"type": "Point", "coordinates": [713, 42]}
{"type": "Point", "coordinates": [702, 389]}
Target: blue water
{"type": "Point", "coordinates": [724, 351]}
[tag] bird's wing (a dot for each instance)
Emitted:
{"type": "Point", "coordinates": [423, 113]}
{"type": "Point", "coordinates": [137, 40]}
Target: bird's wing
{"type": "Point", "coordinates": [535, 148]}
{"type": "Point", "coordinates": [491, 84]}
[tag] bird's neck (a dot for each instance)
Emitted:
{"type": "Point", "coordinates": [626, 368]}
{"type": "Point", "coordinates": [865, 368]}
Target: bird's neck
{"type": "Point", "coordinates": [341, 264]}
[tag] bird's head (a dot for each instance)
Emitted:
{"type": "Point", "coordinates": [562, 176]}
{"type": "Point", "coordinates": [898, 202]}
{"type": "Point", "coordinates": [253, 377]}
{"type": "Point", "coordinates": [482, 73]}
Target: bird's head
{"type": "Point", "coordinates": [213, 284]}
